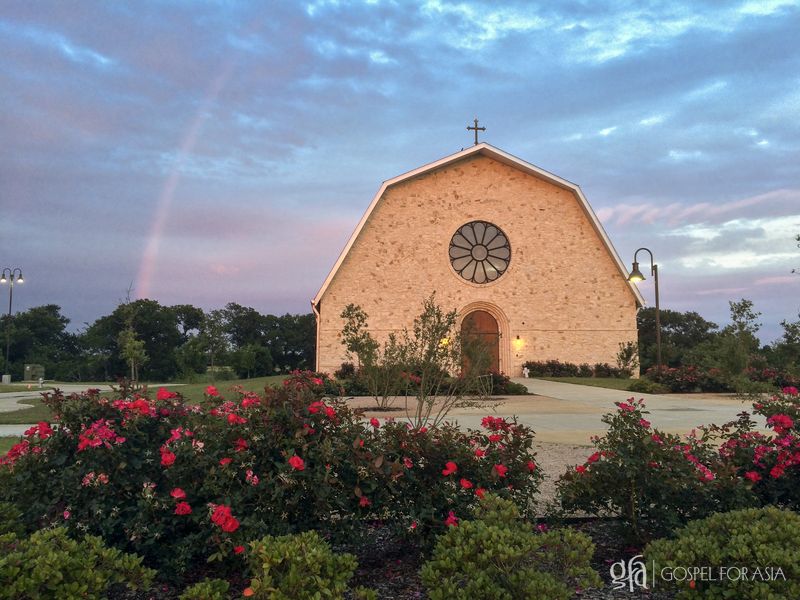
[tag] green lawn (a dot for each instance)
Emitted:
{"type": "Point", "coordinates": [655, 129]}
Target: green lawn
{"type": "Point", "coordinates": [6, 443]}
{"type": "Point", "coordinates": [604, 382]}
{"type": "Point", "coordinates": [22, 387]}
{"type": "Point", "coordinates": [39, 412]}
{"type": "Point", "coordinates": [192, 392]}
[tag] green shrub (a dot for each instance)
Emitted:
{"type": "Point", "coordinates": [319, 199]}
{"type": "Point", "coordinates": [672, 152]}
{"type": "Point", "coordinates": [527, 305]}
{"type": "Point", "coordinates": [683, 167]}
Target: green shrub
{"type": "Point", "coordinates": [497, 556]}
{"type": "Point", "coordinates": [645, 386]}
{"type": "Point", "coordinates": [11, 520]}
{"type": "Point", "coordinates": [298, 567]}
{"type": "Point", "coordinates": [652, 480]}
{"type": "Point", "coordinates": [49, 564]}
{"type": "Point", "coordinates": [764, 538]}
{"type": "Point", "coordinates": [208, 589]}
{"type": "Point", "coordinates": [148, 476]}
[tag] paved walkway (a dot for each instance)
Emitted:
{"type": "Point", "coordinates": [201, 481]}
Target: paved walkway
{"type": "Point", "coordinates": [559, 412]}
{"type": "Point", "coordinates": [570, 414]}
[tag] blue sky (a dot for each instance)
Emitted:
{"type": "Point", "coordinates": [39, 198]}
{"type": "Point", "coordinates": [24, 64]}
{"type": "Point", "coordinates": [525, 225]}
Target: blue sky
{"type": "Point", "coordinates": [208, 152]}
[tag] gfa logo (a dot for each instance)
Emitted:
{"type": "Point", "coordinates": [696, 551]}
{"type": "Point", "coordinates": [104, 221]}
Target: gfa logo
{"type": "Point", "coordinates": [632, 574]}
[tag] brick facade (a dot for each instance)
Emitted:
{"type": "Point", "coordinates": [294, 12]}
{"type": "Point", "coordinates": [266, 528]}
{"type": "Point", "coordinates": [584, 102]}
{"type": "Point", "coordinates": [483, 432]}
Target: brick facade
{"type": "Point", "coordinates": [563, 296]}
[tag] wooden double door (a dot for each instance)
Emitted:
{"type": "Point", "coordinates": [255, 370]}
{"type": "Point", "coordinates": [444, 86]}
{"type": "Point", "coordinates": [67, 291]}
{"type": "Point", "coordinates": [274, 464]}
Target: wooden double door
{"type": "Point", "coordinates": [481, 328]}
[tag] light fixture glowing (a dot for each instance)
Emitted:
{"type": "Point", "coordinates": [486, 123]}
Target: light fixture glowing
{"type": "Point", "coordinates": [636, 274]}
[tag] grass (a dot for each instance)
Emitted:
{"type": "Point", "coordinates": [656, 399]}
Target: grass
{"type": "Point", "coordinates": [603, 382]}
{"type": "Point", "coordinates": [22, 387]}
{"type": "Point", "coordinates": [192, 392]}
{"type": "Point", "coordinates": [7, 442]}
{"type": "Point", "coordinates": [39, 412]}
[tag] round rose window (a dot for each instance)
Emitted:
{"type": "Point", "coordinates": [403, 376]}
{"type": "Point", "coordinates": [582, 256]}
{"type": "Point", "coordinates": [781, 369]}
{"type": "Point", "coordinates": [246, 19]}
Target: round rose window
{"type": "Point", "coordinates": [480, 252]}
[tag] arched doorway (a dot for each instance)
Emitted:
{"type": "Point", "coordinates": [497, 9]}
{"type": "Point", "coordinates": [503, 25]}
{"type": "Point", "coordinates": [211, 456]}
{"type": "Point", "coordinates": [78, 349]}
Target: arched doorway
{"type": "Point", "coordinates": [482, 327]}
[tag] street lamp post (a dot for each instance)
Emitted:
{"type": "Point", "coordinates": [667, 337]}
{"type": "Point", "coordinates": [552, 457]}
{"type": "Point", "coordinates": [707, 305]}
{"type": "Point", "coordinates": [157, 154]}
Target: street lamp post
{"type": "Point", "coordinates": [635, 276]}
{"type": "Point", "coordinates": [7, 276]}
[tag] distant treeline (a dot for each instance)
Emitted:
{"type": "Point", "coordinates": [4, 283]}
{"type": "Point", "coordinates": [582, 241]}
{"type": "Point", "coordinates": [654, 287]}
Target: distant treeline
{"type": "Point", "coordinates": [154, 342]}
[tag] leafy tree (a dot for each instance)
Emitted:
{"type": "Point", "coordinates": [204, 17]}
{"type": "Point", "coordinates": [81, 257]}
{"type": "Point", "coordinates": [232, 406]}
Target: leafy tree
{"type": "Point", "coordinates": [190, 319]}
{"type": "Point", "coordinates": [39, 335]}
{"type": "Point", "coordinates": [191, 358]}
{"type": "Point", "coordinates": [243, 325]}
{"type": "Point", "coordinates": [680, 333]}
{"type": "Point", "coordinates": [291, 340]}
{"type": "Point", "coordinates": [784, 353]}
{"type": "Point", "coordinates": [212, 337]}
{"type": "Point", "coordinates": [132, 349]}
{"type": "Point", "coordinates": [734, 348]}
{"type": "Point", "coordinates": [252, 360]}
{"type": "Point", "coordinates": [155, 325]}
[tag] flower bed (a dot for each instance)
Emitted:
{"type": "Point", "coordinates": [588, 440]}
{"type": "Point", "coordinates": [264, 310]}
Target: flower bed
{"type": "Point", "coordinates": [181, 484]}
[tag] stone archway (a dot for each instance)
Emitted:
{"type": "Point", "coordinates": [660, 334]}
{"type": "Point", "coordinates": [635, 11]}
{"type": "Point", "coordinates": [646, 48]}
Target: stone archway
{"type": "Point", "coordinates": [482, 326]}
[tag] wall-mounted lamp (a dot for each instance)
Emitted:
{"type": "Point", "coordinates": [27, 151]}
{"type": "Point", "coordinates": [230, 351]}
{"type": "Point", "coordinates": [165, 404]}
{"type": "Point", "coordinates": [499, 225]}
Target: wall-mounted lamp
{"type": "Point", "coordinates": [518, 344]}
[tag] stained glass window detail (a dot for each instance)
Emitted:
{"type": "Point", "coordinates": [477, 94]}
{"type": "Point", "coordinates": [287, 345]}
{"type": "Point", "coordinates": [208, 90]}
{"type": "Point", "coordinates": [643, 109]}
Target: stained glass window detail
{"type": "Point", "coordinates": [480, 252]}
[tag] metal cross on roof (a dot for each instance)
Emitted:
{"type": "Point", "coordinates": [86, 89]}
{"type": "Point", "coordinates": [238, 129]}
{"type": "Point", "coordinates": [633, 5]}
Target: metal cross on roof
{"type": "Point", "coordinates": [476, 129]}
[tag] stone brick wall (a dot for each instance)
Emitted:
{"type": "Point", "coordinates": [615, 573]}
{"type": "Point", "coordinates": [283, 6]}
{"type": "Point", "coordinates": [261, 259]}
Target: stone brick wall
{"type": "Point", "coordinates": [562, 294]}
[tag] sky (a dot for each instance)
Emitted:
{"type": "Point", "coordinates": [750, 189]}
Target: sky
{"type": "Point", "coordinates": [213, 152]}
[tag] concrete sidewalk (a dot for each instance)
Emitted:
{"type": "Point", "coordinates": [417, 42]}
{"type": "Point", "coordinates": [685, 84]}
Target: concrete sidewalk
{"type": "Point", "coordinates": [567, 413]}
{"type": "Point", "coordinates": [570, 414]}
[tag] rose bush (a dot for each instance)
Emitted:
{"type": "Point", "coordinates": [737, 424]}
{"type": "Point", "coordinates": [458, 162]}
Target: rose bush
{"type": "Point", "coordinates": [651, 480]}
{"type": "Point", "coordinates": [769, 463]}
{"type": "Point", "coordinates": [181, 484]}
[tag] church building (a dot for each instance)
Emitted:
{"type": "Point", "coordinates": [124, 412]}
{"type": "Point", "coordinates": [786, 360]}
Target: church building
{"type": "Point", "coordinates": [516, 250]}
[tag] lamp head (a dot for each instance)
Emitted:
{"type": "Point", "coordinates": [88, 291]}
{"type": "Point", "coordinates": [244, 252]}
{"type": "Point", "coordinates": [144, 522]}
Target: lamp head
{"type": "Point", "coordinates": [19, 278]}
{"type": "Point", "coordinates": [636, 275]}
{"type": "Point", "coordinates": [3, 278]}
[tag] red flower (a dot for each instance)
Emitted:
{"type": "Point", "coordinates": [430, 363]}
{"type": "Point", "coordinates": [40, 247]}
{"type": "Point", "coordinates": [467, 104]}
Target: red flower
{"type": "Point", "coordinates": [240, 445]}
{"type": "Point", "coordinates": [183, 508]}
{"type": "Point", "coordinates": [374, 422]}
{"type": "Point", "coordinates": [480, 453]}
{"type": "Point", "coordinates": [297, 463]}
{"type": "Point", "coordinates": [178, 494]}
{"type": "Point", "coordinates": [593, 458]}
{"type": "Point", "coordinates": [42, 428]}
{"type": "Point", "coordinates": [235, 419]}
{"type": "Point", "coordinates": [164, 394]}
{"type": "Point", "coordinates": [752, 476]}
{"type": "Point", "coordinates": [167, 457]}
{"type": "Point", "coordinates": [212, 391]}
{"type": "Point", "coordinates": [451, 520]}
{"type": "Point", "coordinates": [495, 437]}
{"type": "Point", "coordinates": [408, 462]}
{"type": "Point", "coordinates": [225, 461]}
{"type": "Point", "coordinates": [501, 470]}
{"type": "Point", "coordinates": [480, 492]}
{"type": "Point", "coordinates": [644, 423]}
{"type": "Point", "coordinates": [780, 423]}
{"type": "Point", "coordinates": [450, 468]}
{"type": "Point", "coordinates": [238, 549]}
{"type": "Point", "coordinates": [580, 469]}
{"type": "Point", "coordinates": [466, 483]}
{"type": "Point", "coordinates": [224, 519]}
{"type": "Point", "coordinates": [531, 466]}
{"type": "Point", "coordinates": [364, 502]}
{"type": "Point", "coordinates": [776, 471]}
